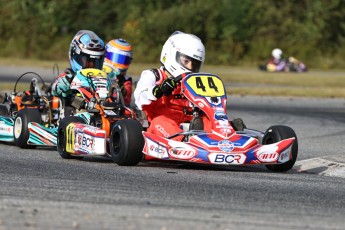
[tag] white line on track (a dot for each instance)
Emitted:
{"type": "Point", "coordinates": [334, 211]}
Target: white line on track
{"type": "Point", "coordinates": [321, 166]}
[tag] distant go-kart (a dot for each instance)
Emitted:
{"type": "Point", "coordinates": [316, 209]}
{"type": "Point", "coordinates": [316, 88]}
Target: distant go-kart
{"type": "Point", "coordinates": [29, 118]}
{"type": "Point", "coordinates": [290, 64]}
{"type": "Point", "coordinates": [215, 142]}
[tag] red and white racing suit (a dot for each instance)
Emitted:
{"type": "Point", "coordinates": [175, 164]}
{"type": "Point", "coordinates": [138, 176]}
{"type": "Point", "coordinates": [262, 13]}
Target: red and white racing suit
{"type": "Point", "coordinates": [166, 113]}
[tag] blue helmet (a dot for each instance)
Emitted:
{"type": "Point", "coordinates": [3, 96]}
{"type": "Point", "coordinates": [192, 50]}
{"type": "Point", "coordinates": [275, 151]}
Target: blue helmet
{"type": "Point", "coordinates": [86, 51]}
{"type": "Point", "coordinates": [118, 54]}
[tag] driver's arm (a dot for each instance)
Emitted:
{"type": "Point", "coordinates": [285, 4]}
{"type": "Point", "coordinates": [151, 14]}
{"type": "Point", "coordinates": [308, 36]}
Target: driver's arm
{"type": "Point", "coordinates": [143, 92]}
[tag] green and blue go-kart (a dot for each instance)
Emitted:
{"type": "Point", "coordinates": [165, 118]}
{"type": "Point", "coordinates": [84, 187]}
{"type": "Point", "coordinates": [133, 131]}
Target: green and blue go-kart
{"type": "Point", "coordinates": [29, 118]}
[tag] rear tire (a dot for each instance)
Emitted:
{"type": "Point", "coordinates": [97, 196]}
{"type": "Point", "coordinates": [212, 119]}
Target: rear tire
{"type": "Point", "coordinates": [20, 129]}
{"type": "Point", "coordinates": [61, 136]}
{"type": "Point", "coordinates": [275, 134]}
{"type": "Point", "coordinates": [126, 142]}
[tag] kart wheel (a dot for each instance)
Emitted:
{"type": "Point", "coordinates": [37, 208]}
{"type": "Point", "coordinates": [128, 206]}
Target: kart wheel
{"type": "Point", "coordinates": [20, 129]}
{"type": "Point", "coordinates": [278, 133]}
{"type": "Point", "coordinates": [3, 111]}
{"type": "Point", "coordinates": [61, 136]}
{"type": "Point", "coordinates": [126, 142]}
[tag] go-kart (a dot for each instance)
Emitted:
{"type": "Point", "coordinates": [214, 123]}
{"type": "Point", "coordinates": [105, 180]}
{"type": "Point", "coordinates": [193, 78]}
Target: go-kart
{"type": "Point", "coordinates": [29, 118]}
{"type": "Point", "coordinates": [102, 106]}
{"type": "Point", "coordinates": [290, 64]}
{"type": "Point", "coordinates": [215, 142]}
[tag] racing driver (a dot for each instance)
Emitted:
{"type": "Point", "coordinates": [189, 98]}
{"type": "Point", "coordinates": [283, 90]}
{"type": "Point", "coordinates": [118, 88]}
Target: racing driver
{"type": "Point", "coordinates": [86, 51]}
{"type": "Point", "coordinates": [159, 95]}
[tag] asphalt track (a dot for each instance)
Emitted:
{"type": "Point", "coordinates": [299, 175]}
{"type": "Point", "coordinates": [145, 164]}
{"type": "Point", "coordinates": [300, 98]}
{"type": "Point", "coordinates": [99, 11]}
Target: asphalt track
{"type": "Point", "coordinates": [12, 73]}
{"type": "Point", "coordinates": [40, 190]}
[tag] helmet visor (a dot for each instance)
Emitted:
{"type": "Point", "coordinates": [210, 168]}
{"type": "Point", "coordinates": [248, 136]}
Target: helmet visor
{"type": "Point", "coordinates": [188, 62]}
{"type": "Point", "coordinates": [89, 61]}
{"type": "Point", "coordinates": [118, 58]}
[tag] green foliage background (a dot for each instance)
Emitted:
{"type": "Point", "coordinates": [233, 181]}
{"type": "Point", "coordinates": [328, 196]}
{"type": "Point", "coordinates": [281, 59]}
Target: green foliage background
{"type": "Point", "coordinates": [235, 32]}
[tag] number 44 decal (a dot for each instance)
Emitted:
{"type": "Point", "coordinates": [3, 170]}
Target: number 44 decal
{"type": "Point", "coordinates": [207, 86]}
{"type": "Point", "coordinates": [201, 86]}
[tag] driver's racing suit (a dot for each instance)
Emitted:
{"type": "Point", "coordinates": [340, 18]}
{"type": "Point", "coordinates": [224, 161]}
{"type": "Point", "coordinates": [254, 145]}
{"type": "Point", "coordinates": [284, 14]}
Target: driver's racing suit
{"type": "Point", "coordinates": [166, 113]}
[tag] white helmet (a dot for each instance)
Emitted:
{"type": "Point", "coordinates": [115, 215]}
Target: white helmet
{"type": "Point", "coordinates": [188, 46]}
{"type": "Point", "coordinates": [277, 53]}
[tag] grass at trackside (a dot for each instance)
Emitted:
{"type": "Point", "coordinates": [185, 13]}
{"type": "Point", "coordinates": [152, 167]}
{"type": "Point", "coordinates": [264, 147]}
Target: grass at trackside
{"type": "Point", "coordinates": [251, 81]}
{"type": "Point", "coordinates": [30, 62]}
{"type": "Point", "coordinates": [245, 80]}
{"type": "Point", "coordinates": [290, 91]}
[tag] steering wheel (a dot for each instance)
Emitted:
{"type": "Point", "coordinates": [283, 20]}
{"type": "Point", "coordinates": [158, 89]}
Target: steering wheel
{"type": "Point", "coordinates": [44, 84]}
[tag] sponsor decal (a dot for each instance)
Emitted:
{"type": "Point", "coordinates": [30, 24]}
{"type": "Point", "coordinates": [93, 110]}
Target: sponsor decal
{"type": "Point", "coordinates": [144, 90]}
{"type": "Point", "coordinates": [267, 157]}
{"type": "Point", "coordinates": [285, 155]}
{"type": "Point", "coordinates": [197, 56]}
{"type": "Point", "coordinates": [267, 153]}
{"type": "Point", "coordinates": [219, 158]}
{"type": "Point", "coordinates": [79, 138]}
{"type": "Point", "coordinates": [220, 116]}
{"type": "Point", "coordinates": [156, 150]}
{"type": "Point", "coordinates": [225, 145]}
{"type": "Point", "coordinates": [84, 141]}
{"type": "Point", "coordinates": [213, 100]}
{"type": "Point", "coordinates": [182, 153]}
{"type": "Point", "coordinates": [223, 124]}
{"type": "Point", "coordinates": [161, 130]}
{"type": "Point", "coordinates": [87, 142]}
{"type": "Point", "coordinates": [5, 129]}
{"type": "Point", "coordinates": [91, 129]}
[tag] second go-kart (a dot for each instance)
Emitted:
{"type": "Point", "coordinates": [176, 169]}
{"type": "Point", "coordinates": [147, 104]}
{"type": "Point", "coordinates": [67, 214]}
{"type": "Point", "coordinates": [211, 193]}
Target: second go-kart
{"type": "Point", "coordinates": [88, 133]}
{"type": "Point", "coordinates": [215, 142]}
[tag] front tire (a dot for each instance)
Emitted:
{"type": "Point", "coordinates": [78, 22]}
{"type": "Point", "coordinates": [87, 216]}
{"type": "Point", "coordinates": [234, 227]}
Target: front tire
{"type": "Point", "coordinates": [62, 138]}
{"type": "Point", "coordinates": [126, 142]}
{"type": "Point", "coordinates": [275, 134]}
{"type": "Point", "coordinates": [20, 130]}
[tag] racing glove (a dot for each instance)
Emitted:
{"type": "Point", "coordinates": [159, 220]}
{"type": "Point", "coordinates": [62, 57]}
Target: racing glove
{"type": "Point", "coordinates": [157, 91]}
{"type": "Point", "coordinates": [166, 88]}
{"type": "Point", "coordinates": [62, 87]}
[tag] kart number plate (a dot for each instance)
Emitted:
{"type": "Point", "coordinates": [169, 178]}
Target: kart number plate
{"type": "Point", "coordinates": [206, 85]}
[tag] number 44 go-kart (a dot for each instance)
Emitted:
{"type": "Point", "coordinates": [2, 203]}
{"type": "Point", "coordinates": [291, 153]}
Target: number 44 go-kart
{"type": "Point", "coordinates": [29, 118]}
{"type": "Point", "coordinates": [219, 144]}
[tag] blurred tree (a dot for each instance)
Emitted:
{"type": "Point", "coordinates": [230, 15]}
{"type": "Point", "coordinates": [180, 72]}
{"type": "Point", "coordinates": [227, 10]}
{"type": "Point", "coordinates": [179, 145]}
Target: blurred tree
{"type": "Point", "coordinates": [233, 31]}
